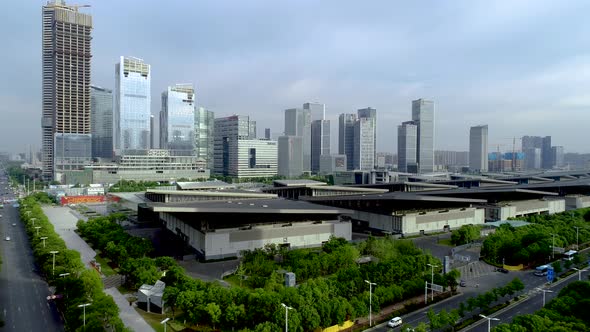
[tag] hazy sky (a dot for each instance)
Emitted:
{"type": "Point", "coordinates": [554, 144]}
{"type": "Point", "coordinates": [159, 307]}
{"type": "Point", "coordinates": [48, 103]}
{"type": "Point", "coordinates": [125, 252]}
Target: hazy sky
{"type": "Point", "coordinates": [522, 67]}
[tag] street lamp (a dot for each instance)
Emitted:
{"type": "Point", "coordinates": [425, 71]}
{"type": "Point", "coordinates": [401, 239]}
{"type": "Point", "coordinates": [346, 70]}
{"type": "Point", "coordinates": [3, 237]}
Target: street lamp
{"type": "Point", "coordinates": [84, 306]}
{"type": "Point", "coordinates": [432, 279]}
{"type": "Point", "coordinates": [577, 243]}
{"type": "Point", "coordinates": [371, 284]}
{"type": "Point", "coordinates": [44, 238]}
{"type": "Point", "coordinates": [553, 247]}
{"type": "Point", "coordinates": [287, 308]}
{"type": "Point", "coordinates": [37, 228]}
{"type": "Point", "coordinates": [490, 319]}
{"type": "Point", "coordinates": [33, 220]}
{"type": "Point", "coordinates": [544, 291]}
{"type": "Point", "coordinates": [164, 322]}
{"type": "Point", "coordinates": [579, 273]}
{"type": "Point", "coordinates": [53, 252]}
{"type": "Point", "coordinates": [64, 274]}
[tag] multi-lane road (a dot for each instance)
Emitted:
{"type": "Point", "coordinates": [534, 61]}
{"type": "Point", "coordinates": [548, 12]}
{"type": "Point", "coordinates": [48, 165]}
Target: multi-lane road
{"type": "Point", "coordinates": [23, 294]}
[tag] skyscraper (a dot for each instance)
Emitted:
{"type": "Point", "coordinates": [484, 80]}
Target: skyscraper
{"type": "Point", "coordinates": [132, 105]}
{"type": "Point", "coordinates": [227, 132]}
{"type": "Point", "coordinates": [365, 139]}
{"type": "Point", "coordinates": [546, 153]}
{"type": "Point", "coordinates": [346, 124]}
{"type": "Point", "coordinates": [407, 142]}
{"type": "Point", "coordinates": [177, 120]}
{"type": "Point", "coordinates": [290, 156]}
{"type": "Point", "coordinates": [423, 117]}
{"type": "Point", "coordinates": [557, 156]}
{"type": "Point", "coordinates": [65, 122]}
{"type": "Point", "coordinates": [102, 122]}
{"type": "Point", "coordinates": [266, 133]}
{"type": "Point", "coordinates": [152, 132]}
{"type": "Point", "coordinates": [478, 148]}
{"type": "Point", "coordinates": [298, 123]}
{"type": "Point", "coordinates": [320, 133]}
{"type": "Point", "coordinates": [204, 135]}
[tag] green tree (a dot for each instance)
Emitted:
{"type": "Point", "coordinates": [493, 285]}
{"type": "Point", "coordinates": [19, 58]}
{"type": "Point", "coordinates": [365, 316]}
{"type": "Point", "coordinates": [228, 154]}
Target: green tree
{"type": "Point", "coordinates": [557, 267]}
{"type": "Point", "coordinates": [214, 313]}
{"type": "Point", "coordinates": [465, 234]}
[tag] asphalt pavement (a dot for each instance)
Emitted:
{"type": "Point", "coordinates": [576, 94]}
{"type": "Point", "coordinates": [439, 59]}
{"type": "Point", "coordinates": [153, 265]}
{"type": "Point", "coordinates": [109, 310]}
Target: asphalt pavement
{"type": "Point", "coordinates": [23, 294]}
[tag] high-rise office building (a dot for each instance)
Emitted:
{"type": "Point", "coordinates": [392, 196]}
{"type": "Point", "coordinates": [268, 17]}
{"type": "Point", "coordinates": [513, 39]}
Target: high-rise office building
{"type": "Point", "coordinates": [423, 117]}
{"type": "Point", "coordinates": [132, 105]}
{"type": "Point", "coordinates": [346, 124]}
{"type": "Point", "coordinates": [266, 133]}
{"type": "Point", "coordinates": [177, 120]}
{"type": "Point", "coordinates": [298, 123]}
{"type": "Point", "coordinates": [290, 156]}
{"type": "Point", "coordinates": [478, 148]}
{"type": "Point", "coordinates": [557, 156]}
{"type": "Point", "coordinates": [227, 132]}
{"type": "Point", "coordinates": [65, 123]}
{"type": "Point", "coordinates": [152, 132]}
{"type": "Point", "coordinates": [101, 122]}
{"type": "Point", "coordinates": [546, 153]}
{"type": "Point", "coordinates": [532, 158]}
{"type": "Point", "coordinates": [365, 139]}
{"type": "Point", "coordinates": [320, 133]}
{"type": "Point", "coordinates": [204, 135]}
{"type": "Point", "coordinates": [407, 142]}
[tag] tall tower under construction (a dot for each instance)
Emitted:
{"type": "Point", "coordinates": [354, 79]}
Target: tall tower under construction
{"type": "Point", "coordinates": [65, 122]}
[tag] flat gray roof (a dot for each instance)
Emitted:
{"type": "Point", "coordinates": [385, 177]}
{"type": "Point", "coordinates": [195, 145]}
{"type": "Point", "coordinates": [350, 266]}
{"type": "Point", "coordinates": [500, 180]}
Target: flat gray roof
{"type": "Point", "coordinates": [213, 193]}
{"type": "Point", "coordinates": [399, 196]}
{"type": "Point", "coordinates": [513, 223]}
{"type": "Point", "coordinates": [302, 182]}
{"type": "Point", "coordinates": [260, 206]}
{"type": "Point", "coordinates": [204, 185]}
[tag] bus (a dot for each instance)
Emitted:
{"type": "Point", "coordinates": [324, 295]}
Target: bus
{"type": "Point", "coordinates": [569, 255]}
{"type": "Point", "coordinates": [542, 270]}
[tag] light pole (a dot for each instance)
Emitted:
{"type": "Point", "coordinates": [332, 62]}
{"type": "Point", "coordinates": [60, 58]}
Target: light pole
{"type": "Point", "coordinates": [579, 273]}
{"type": "Point", "coordinates": [544, 291]}
{"type": "Point", "coordinates": [287, 308]}
{"type": "Point", "coordinates": [432, 279]}
{"type": "Point", "coordinates": [64, 274]}
{"type": "Point", "coordinates": [490, 319]}
{"type": "Point", "coordinates": [371, 284]}
{"type": "Point", "coordinates": [37, 228]}
{"type": "Point", "coordinates": [84, 306]}
{"type": "Point", "coordinates": [577, 242]}
{"type": "Point", "coordinates": [164, 322]}
{"type": "Point", "coordinates": [33, 220]}
{"type": "Point", "coordinates": [553, 247]}
{"type": "Point", "coordinates": [44, 238]}
{"type": "Point", "coordinates": [53, 252]}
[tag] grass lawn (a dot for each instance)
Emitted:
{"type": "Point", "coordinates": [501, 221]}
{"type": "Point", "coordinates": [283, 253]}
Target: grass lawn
{"type": "Point", "coordinates": [154, 320]}
{"type": "Point", "coordinates": [104, 266]}
{"type": "Point", "coordinates": [446, 242]}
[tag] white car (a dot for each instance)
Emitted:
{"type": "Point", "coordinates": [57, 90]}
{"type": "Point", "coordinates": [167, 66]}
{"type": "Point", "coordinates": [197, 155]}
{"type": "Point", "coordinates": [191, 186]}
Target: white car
{"type": "Point", "coordinates": [7, 238]}
{"type": "Point", "coordinates": [395, 321]}
{"type": "Point", "coordinates": [13, 224]}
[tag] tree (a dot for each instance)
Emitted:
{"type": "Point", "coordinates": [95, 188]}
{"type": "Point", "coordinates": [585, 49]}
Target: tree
{"type": "Point", "coordinates": [214, 312]}
{"type": "Point", "coordinates": [465, 234]}
{"type": "Point", "coordinates": [557, 267]}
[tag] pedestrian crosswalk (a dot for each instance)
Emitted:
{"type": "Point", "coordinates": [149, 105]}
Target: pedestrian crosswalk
{"type": "Point", "coordinates": [475, 269]}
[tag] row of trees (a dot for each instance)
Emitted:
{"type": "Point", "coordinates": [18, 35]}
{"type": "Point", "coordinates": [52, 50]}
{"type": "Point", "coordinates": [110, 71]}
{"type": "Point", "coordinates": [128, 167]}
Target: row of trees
{"type": "Point", "coordinates": [532, 244]}
{"type": "Point", "coordinates": [567, 312]}
{"type": "Point", "coordinates": [77, 285]}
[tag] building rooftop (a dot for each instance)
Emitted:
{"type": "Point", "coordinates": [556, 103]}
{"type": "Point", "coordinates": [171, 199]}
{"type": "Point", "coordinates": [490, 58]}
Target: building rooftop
{"type": "Point", "coordinates": [298, 183]}
{"type": "Point", "coordinates": [216, 184]}
{"type": "Point", "coordinates": [216, 193]}
{"type": "Point", "coordinates": [513, 223]}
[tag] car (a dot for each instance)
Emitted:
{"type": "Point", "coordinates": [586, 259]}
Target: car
{"type": "Point", "coordinates": [13, 224]}
{"type": "Point", "coordinates": [395, 321]}
{"type": "Point", "coordinates": [7, 238]}
{"type": "Point", "coordinates": [462, 283]}
{"type": "Point", "coordinates": [501, 269]}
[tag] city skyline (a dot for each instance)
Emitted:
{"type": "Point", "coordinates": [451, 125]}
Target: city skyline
{"type": "Point", "coordinates": [540, 94]}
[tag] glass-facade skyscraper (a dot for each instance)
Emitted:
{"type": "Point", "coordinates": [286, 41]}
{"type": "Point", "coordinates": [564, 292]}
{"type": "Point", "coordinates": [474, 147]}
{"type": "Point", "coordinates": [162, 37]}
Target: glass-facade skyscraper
{"type": "Point", "coordinates": [320, 133]}
{"type": "Point", "coordinates": [365, 139]}
{"type": "Point", "coordinates": [177, 120]}
{"type": "Point", "coordinates": [298, 123]}
{"type": "Point", "coordinates": [423, 118]}
{"type": "Point", "coordinates": [132, 105]}
{"type": "Point", "coordinates": [407, 141]}
{"type": "Point", "coordinates": [478, 148]}
{"type": "Point", "coordinates": [204, 135]}
{"type": "Point", "coordinates": [102, 122]}
{"type": "Point", "coordinates": [346, 124]}
{"type": "Point", "coordinates": [65, 122]}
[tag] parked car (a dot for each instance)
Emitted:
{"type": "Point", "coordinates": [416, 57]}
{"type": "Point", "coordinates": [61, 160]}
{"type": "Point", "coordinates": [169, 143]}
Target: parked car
{"type": "Point", "coordinates": [501, 269]}
{"type": "Point", "coordinates": [395, 321]}
{"type": "Point", "coordinates": [462, 283]}
{"type": "Point", "coordinates": [7, 238]}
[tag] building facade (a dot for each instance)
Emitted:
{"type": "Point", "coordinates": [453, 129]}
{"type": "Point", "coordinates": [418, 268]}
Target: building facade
{"type": "Point", "coordinates": [257, 158]}
{"type": "Point", "coordinates": [557, 155]}
{"type": "Point", "coordinates": [478, 148]}
{"type": "Point", "coordinates": [177, 120]}
{"type": "Point", "coordinates": [370, 117]}
{"type": "Point", "coordinates": [298, 123]}
{"type": "Point", "coordinates": [204, 135]}
{"type": "Point", "coordinates": [227, 132]}
{"type": "Point", "coordinates": [346, 124]}
{"type": "Point", "coordinates": [364, 144]}
{"type": "Point", "coordinates": [423, 118]}
{"type": "Point", "coordinates": [66, 106]}
{"type": "Point", "coordinates": [290, 156]}
{"type": "Point", "coordinates": [407, 137]}
{"type": "Point", "coordinates": [132, 105]}
{"type": "Point", "coordinates": [101, 122]}
{"type": "Point", "coordinates": [546, 153]}
{"type": "Point", "coordinates": [330, 164]}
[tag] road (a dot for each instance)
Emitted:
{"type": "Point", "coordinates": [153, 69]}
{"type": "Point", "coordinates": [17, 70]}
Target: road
{"type": "Point", "coordinates": [530, 305]}
{"type": "Point", "coordinates": [23, 303]}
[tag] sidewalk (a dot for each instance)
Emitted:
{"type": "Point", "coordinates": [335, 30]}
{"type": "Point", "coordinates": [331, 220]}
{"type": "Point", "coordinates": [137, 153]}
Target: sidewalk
{"type": "Point", "coordinates": [64, 223]}
{"type": "Point", "coordinates": [127, 313]}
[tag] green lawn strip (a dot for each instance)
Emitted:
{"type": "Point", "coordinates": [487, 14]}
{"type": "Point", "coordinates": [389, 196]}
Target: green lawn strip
{"type": "Point", "coordinates": [446, 242]}
{"type": "Point", "coordinates": [104, 266]}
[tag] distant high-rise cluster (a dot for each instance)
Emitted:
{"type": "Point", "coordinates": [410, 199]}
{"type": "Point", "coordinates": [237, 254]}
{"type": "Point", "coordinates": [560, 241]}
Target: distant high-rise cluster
{"type": "Point", "coordinates": [478, 148]}
{"type": "Point", "coordinates": [357, 139]}
{"type": "Point", "coordinates": [415, 147]}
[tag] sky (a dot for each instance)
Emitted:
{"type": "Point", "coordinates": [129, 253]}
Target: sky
{"type": "Point", "coordinates": [521, 67]}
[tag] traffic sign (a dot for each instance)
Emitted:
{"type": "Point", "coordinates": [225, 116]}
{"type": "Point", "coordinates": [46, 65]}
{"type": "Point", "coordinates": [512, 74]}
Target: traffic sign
{"type": "Point", "coordinates": [550, 275]}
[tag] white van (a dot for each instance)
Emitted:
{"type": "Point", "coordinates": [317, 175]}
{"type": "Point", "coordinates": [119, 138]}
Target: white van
{"type": "Point", "coordinates": [395, 321]}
